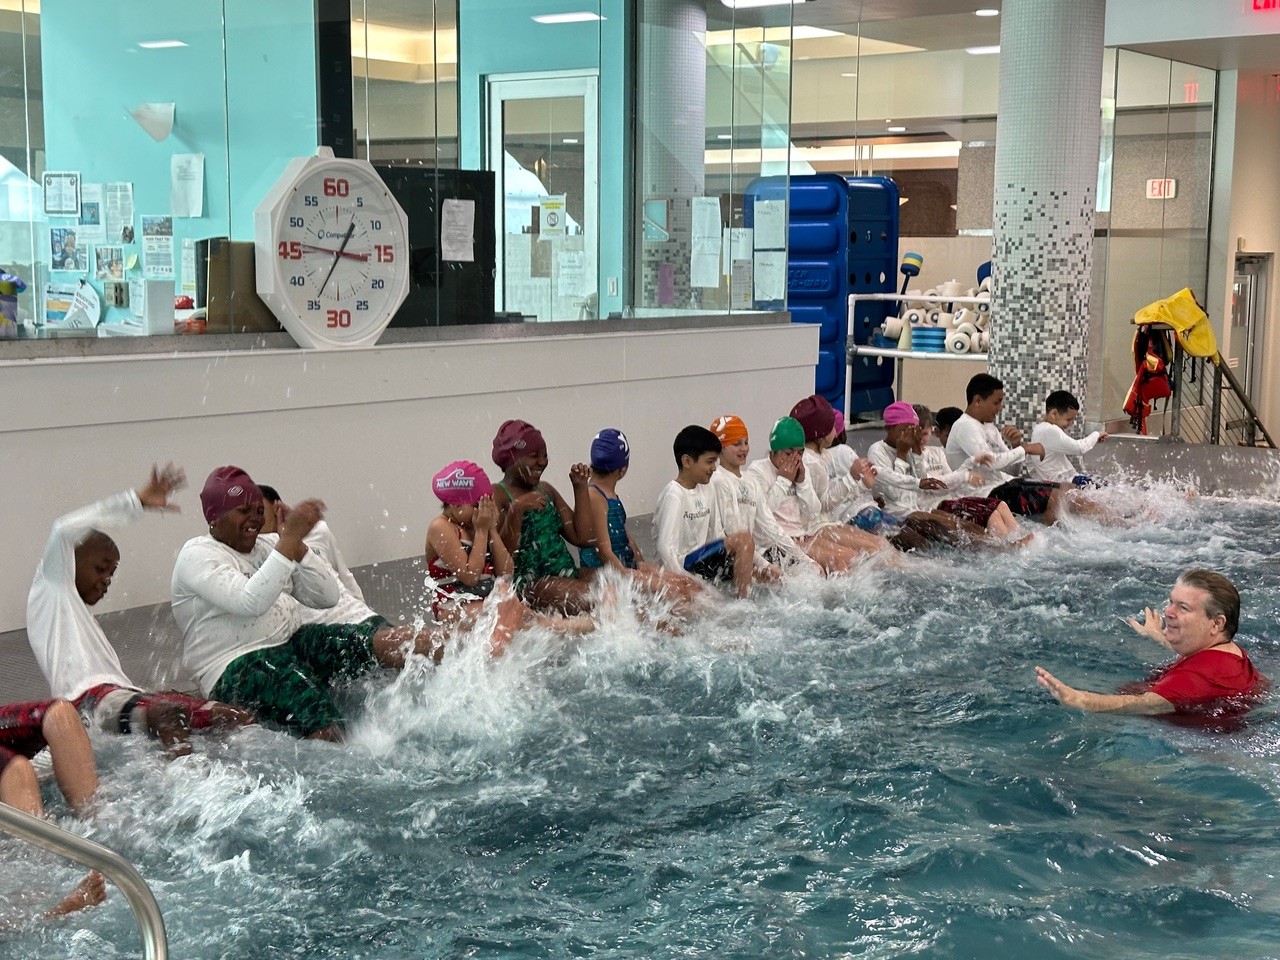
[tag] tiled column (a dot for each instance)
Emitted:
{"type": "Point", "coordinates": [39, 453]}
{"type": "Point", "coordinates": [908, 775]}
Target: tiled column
{"type": "Point", "coordinates": [1046, 177]}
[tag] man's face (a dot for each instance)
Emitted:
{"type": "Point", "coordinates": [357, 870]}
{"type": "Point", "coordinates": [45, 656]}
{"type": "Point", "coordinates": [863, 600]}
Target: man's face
{"type": "Point", "coordinates": [735, 453]}
{"type": "Point", "coordinates": [701, 469]}
{"type": "Point", "coordinates": [95, 566]}
{"type": "Point", "coordinates": [239, 528]}
{"type": "Point", "coordinates": [986, 409]}
{"type": "Point", "coordinates": [1187, 627]}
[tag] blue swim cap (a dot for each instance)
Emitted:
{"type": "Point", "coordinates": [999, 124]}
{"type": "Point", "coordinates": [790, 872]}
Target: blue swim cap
{"type": "Point", "coordinates": [610, 451]}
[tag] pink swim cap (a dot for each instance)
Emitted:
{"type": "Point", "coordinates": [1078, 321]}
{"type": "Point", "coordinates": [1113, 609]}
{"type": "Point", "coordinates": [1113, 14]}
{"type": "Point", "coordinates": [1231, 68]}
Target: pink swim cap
{"type": "Point", "coordinates": [900, 412]}
{"type": "Point", "coordinates": [460, 483]}
{"type": "Point", "coordinates": [227, 488]}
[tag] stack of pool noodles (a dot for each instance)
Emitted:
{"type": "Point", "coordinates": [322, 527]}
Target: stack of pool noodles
{"type": "Point", "coordinates": [938, 327]}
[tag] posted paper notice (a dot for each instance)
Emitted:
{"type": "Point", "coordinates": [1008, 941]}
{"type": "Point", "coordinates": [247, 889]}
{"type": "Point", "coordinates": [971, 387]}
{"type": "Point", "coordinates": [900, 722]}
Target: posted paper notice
{"type": "Point", "coordinates": [458, 230]}
{"type": "Point", "coordinates": [186, 185]}
{"type": "Point", "coordinates": [157, 247]}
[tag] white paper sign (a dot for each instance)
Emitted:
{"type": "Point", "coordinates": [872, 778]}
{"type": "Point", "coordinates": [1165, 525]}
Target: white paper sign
{"type": "Point", "coordinates": [93, 214]}
{"type": "Point", "coordinates": [120, 212]}
{"type": "Point", "coordinates": [770, 280]}
{"type": "Point", "coordinates": [771, 224]}
{"type": "Point", "coordinates": [62, 193]}
{"type": "Point", "coordinates": [458, 230]}
{"type": "Point", "coordinates": [740, 289]}
{"type": "Point", "coordinates": [553, 218]}
{"type": "Point", "coordinates": [571, 273]}
{"type": "Point", "coordinates": [186, 185]}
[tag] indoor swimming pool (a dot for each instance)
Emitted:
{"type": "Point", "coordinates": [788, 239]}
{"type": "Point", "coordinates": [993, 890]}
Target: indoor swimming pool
{"type": "Point", "coordinates": [861, 767]}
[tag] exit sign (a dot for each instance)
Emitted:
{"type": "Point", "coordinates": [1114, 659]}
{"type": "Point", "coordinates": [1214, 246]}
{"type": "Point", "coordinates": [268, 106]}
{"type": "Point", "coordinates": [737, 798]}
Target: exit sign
{"type": "Point", "coordinates": [1165, 189]}
{"type": "Point", "coordinates": [1266, 4]}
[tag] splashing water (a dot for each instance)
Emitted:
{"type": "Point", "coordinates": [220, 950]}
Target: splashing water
{"type": "Point", "coordinates": [844, 767]}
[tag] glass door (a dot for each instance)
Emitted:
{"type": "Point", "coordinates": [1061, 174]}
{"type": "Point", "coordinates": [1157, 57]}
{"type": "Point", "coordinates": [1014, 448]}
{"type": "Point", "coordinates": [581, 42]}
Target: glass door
{"type": "Point", "coordinates": [543, 151]}
{"type": "Point", "coordinates": [1248, 318]}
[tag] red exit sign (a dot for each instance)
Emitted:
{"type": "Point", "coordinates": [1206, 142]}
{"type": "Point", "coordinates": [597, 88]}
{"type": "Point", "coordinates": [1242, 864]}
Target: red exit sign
{"type": "Point", "coordinates": [1266, 4]}
{"type": "Point", "coordinates": [1163, 189]}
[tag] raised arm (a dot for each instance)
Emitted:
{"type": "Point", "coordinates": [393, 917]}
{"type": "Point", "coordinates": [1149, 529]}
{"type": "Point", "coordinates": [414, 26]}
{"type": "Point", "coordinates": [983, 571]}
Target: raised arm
{"type": "Point", "coordinates": [314, 582]}
{"type": "Point", "coordinates": [577, 525]}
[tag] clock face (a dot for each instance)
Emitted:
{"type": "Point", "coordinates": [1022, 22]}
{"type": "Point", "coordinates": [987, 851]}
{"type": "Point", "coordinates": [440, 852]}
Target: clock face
{"type": "Point", "coordinates": [334, 245]}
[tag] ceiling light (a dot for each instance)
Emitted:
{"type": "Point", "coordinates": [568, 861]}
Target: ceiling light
{"type": "Point", "coordinates": [986, 12]}
{"type": "Point", "coordinates": [982, 51]}
{"type": "Point", "coordinates": [160, 44]}
{"type": "Point", "coordinates": [745, 4]}
{"type": "Point", "coordinates": [848, 74]}
{"type": "Point", "coordinates": [896, 129]}
{"type": "Point", "coordinates": [576, 16]}
{"type": "Point", "coordinates": [724, 136]}
{"type": "Point", "coordinates": [569, 140]}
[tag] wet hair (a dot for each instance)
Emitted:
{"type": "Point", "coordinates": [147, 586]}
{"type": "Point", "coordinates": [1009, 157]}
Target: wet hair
{"type": "Point", "coordinates": [269, 493]}
{"type": "Point", "coordinates": [1060, 401]}
{"type": "Point", "coordinates": [981, 386]}
{"type": "Point", "coordinates": [693, 441]}
{"type": "Point", "coordinates": [96, 540]}
{"type": "Point", "coordinates": [925, 415]}
{"type": "Point", "coordinates": [1223, 599]}
{"type": "Point", "coordinates": [946, 418]}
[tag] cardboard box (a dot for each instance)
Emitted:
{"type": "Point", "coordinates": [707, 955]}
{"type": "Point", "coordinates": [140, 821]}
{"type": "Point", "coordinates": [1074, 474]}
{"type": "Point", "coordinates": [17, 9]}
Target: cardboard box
{"type": "Point", "coordinates": [227, 286]}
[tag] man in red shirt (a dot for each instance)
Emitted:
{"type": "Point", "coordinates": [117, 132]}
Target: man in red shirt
{"type": "Point", "coordinates": [1212, 675]}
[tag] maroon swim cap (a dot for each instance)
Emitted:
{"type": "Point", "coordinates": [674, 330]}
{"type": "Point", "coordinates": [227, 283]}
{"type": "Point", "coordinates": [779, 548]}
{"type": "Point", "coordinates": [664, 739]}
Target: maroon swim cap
{"type": "Point", "coordinates": [816, 415]}
{"type": "Point", "coordinates": [516, 439]}
{"type": "Point", "coordinates": [227, 488]}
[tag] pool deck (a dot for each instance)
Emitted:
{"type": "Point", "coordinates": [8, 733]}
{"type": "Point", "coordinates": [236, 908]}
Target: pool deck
{"type": "Point", "coordinates": [148, 641]}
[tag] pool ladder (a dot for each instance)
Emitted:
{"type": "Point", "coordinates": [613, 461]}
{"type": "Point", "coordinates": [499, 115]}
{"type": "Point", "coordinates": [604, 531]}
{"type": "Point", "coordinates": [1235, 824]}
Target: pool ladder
{"type": "Point", "coordinates": [155, 945]}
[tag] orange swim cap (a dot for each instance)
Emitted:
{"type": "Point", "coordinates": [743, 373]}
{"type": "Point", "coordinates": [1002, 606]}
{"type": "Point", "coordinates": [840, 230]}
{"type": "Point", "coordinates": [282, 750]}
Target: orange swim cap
{"type": "Point", "coordinates": [729, 429]}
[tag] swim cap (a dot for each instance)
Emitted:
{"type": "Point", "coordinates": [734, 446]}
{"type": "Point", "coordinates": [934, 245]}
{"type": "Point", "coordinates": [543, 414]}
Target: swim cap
{"type": "Point", "coordinates": [610, 451]}
{"type": "Point", "coordinates": [899, 413]}
{"type": "Point", "coordinates": [815, 415]}
{"type": "Point", "coordinates": [227, 488]}
{"type": "Point", "coordinates": [839, 424]}
{"type": "Point", "coordinates": [516, 439]}
{"type": "Point", "coordinates": [460, 483]}
{"type": "Point", "coordinates": [787, 434]}
{"type": "Point", "coordinates": [729, 429]}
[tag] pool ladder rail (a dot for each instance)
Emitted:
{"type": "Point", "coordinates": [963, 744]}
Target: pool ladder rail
{"type": "Point", "coordinates": [155, 944]}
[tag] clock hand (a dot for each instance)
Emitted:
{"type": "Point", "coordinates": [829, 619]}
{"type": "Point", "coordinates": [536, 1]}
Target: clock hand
{"type": "Point", "coordinates": [348, 255]}
{"type": "Point", "coordinates": [337, 253]}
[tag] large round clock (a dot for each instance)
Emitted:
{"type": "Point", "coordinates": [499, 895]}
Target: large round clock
{"type": "Point", "coordinates": [331, 251]}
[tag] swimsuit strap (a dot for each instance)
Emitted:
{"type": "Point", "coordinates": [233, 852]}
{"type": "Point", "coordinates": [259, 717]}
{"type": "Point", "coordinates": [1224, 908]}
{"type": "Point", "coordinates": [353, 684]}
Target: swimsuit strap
{"type": "Point", "coordinates": [600, 490]}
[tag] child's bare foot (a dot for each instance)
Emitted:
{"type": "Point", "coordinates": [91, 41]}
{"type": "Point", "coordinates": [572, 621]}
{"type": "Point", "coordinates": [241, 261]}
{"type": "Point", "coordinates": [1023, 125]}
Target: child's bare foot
{"type": "Point", "coordinates": [511, 614]}
{"type": "Point", "coordinates": [89, 892]}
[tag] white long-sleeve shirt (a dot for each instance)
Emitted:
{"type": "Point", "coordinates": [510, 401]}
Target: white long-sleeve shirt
{"type": "Point", "coordinates": [742, 510]}
{"type": "Point", "coordinates": [1058, 446]}
{"type": "Point", "coordinates": [898, 481]}
{"type": "Point", "coordinates": [69, 645]}
{"type": "Point", "coordinates": [350, 607]}
{"type": "Point", "coordinates": [229, 603]}
{"type": "Point", "coordinates": [969, 439]}
{"type": "Point", "coordinates": [841, 494]}
{"type": "Point", "coordinates": [683, 521]}
{"type": "Point", "coordinates": [794, 506]}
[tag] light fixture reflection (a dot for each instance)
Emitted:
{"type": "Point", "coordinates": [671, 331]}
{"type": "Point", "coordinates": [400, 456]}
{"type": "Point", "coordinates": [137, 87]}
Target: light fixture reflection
{"type": "Point", "coordinates": [576, 16]}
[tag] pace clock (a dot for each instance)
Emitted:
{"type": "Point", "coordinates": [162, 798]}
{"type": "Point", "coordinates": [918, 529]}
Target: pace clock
{"type": "Point", "coordinates": [331, 251]}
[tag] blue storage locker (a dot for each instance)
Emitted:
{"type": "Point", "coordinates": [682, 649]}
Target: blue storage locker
{"type": "Point", "coordinates": [842, 236]}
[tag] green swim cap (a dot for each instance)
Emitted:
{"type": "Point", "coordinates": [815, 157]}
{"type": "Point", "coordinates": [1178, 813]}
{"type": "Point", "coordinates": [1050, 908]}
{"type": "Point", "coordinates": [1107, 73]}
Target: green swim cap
{"type": "Point", "coordinates": [787, 434]}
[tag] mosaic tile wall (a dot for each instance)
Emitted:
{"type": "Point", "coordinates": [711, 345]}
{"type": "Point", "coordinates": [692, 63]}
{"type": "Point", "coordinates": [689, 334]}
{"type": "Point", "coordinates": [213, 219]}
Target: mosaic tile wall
{"type": "Point", "coordinates": [1046, 175]}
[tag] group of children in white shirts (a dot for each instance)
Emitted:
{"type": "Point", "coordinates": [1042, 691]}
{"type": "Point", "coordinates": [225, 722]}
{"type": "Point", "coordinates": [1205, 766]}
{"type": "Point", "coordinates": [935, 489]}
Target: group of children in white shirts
{"type": "Point", "coordinates": [263, 595]}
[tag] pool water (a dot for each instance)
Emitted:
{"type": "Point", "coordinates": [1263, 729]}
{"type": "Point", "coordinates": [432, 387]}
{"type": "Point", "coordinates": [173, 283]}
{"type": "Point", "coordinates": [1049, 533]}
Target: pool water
{"type": "Point", "coordinates": [845, 768]}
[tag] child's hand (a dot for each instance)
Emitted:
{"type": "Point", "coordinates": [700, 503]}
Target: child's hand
{"type": "Point", "coordinates": [1102, 435]}
{"type": "Point", "coordinates": [163, 481]}
{"type": "Point", "coordinates": [1034, 449]}
{"type": "Point", "coordinates": [864, 471]}
{"type": "Point", "coordinates": [486, 516]}
{"type": "Point", "coordinates": [579, 475]}
{"type": "Point", "coordinates": [533, 500]}
{"type": "Point", "coordinates": [1012, 435]}
{"type": "Point", "coordinates": [932, 483]}
{"type": "Point", "coordinates": [985, 459]}
{"type": "Point", "coordinates": [792, 466]}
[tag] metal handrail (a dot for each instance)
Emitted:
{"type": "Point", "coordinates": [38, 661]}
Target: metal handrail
{"type": "Point", "coordinates": [155, 944]}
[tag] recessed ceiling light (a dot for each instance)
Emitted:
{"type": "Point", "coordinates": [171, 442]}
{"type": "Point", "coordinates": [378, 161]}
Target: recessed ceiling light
{"type": "Point", "coordinates": [982, 51]}
{"type": "Point", "coordinates": [744, 4]}
{"type": "Point", "coordinates": [576, 16]}
{"type": "Point", "coordinates": [160, 44]}
{"type": "Point", "coordinates": [896, 129]}
{"type": "Point", "coordinates": [986, 12]}
{"type": "Point", "coordinates": [724, 136]}
{"type": "Point", "coordinates": [848, 74]}
{"type": "Point", "coordinates": [569, 140]}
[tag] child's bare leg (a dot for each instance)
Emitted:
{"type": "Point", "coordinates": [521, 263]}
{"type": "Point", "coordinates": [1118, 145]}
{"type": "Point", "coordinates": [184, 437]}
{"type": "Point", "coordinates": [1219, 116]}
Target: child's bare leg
{"type": "Point", "coordinates": [20, 788]}
{"type": "Point", "coordinates": [1057, 504]}
{"type": "Point", "coordinates": [227, 715]}
{"type": "Point", "coordinates": [560, 595]}
{"type": "Point", "coordinates": [89, 892]}
{"type": "Point", "coordinates": [73, 765]}
{"type": "Point", "coordinates": [171, 725]}
{"type": "Point", "coordinates": [741, 548]}
{"type": "Point", "coordinates": [851, 538]}
{"type": "Point", "coordinates": [830, 555]}
{"type": "Point", "coordinates": [391, 645]}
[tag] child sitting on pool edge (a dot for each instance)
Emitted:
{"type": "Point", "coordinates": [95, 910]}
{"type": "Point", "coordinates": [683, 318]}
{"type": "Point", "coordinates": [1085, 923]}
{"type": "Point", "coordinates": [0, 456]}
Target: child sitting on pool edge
{"type": "Point", "coordinates": [690, 537]}
{"type": "Point", "coordinates": [614, 547]}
